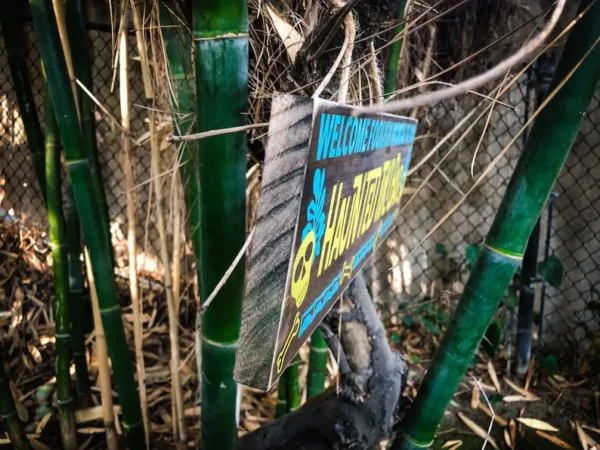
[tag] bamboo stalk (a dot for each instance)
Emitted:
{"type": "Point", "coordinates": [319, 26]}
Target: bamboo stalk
{"type": "Point", "coordinates": [176, 264]}
{"type": "Point", "coordinates": [108, 415]}
{"type": "Point", "coordinates": [81, 69]}
{"type": "Point", "coordinates": [178, 44]}
{"type": "Point", "coordinates": [22, 87]}
{"type": "Point", "coordinates": [14, 426]}
{"type": "Point", "coordinates": [57, 231]}
{"type": "Point", "coordinates": [131, 237]}
{"type": "Point", "coordinates": [317, 365]}
{"type": "Point", "coordinates": [81, 317]}
{"type": "Point", "coordinates": [179, 427]}
{"type": "Point", "coordinates": [95, 227]}
{"type": "Point", "coordinates": [171, 307]}
{"type": "Point", "coordinates": [282, 395]}
{"type": "Point", "coordinates": [294, 384]}
{"type": "Point", "coordinates": [220, 31]}
{"type": "Point", "coordinates": [391, 71]}
{"type": "Point", "coordinates": [545, 152]}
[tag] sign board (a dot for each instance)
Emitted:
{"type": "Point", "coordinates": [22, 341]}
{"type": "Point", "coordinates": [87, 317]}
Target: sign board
{"type": "Point", "coordinates": [331, 192]}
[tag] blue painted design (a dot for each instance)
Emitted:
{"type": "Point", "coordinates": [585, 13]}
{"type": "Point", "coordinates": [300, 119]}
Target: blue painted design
{"type": "Point", "coordinates": [317, 306]}
{"type": "Point", "coordinates": [315, 215]}
{"type": "Point", "coordinates": [364, 250]}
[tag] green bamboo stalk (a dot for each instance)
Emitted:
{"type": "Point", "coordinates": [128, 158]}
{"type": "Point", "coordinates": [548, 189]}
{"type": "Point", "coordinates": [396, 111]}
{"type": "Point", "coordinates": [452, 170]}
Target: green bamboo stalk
{"type": "Point", "coordinates": [178, 43]}
{"type": "Point", "coordinates": [82, 64]}
{"type": "Point", "coordinates": [80, 303]}
{"type": "Point", "coordinates": [18, 70]}
{"type": "Point", "coordinates": [14, 426]}
{"type": "Point", "coordinates": [391, 71]}
{"type": "Point", "coordinates": [545, 152]}
{"type": "Point", "coordinates": [221, 41]}
{"type": "Point", "coordinates": [93, 221]}
{"type": "Point", "coordinates": [317, 364]}
{"type": "Point", "coordinates": [57, 234]}
{"type": "Point", "coordinates": [282, 395]}
{"type": "Point", "coordinates": [293, 384]}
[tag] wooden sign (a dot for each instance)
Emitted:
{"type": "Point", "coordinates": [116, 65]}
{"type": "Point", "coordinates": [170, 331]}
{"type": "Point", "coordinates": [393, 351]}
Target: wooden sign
{"type": "Point", "coordinates": [331, 190]}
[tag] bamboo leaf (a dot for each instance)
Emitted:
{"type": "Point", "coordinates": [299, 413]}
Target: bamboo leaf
{"type": "Point", "coordinates": [581, 436]}
{"type": "Point", "coordinates": [452, 445]}
{"type": "Point", "coordinates": [291, 38]}
{"type": "Point", "coordinates": [552, 271]}
{"type": "Point", "coordinates": [520, 390]}
{"type": "Point", "coordinates": [475, 397]}
{"type": "Point", "coordinates": [494, 376]}
{"type": "Point", "coordinates": [537, 424]}
{"type": "Point", "coordinates": [478, 430]}
{"type": "Point", "coordinates": [471, 255]}
{"type": "Point", "coordinates": [441, 249]}
{"type": "Point", "coordinates": [507, 439]}
{"type": "Point", "coordinates": [556, 441]}
{"type": "Point", "coordinates": [519, 398]}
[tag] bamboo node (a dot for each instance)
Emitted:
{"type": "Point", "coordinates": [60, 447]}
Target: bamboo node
{"type": "Point", "coordinates": [505, 253]}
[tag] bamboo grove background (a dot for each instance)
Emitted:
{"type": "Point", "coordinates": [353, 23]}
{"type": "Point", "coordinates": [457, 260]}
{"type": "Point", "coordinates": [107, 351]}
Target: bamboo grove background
{"type": "Point", "coordinates": [572, 311]}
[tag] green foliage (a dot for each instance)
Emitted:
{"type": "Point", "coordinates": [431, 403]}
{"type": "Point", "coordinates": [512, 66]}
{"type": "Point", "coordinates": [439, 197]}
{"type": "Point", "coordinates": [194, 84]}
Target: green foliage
{"type": "Point", "coordinates": [493, 337]}
{"type": "Point", "coordinates": [549, 364]}
{"type": "Point", "coordinates": [407, 321]}
{"type": "Point", "coordinates": [471, 255]}
{"type": "Point", "coordinates": [431, 327]}
{"type": "Point", "coordinates": [552, 271]}
{"type": "Point", "coordinates": [511, 301]}
{"type": "Point", "coordinates": [441, 250]}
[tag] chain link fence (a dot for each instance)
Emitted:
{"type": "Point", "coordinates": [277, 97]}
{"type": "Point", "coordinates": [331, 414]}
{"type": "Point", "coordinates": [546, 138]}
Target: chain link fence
{"type": "Point", "coordinates": [20, 196]}
{"type": "Point", "coordinates": [410, 266]}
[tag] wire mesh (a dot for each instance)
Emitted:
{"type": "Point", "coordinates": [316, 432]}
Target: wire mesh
{"type": "Point", "coordinates": [407, 267]}
{"type": "Point", "coordinates": [20, 197]}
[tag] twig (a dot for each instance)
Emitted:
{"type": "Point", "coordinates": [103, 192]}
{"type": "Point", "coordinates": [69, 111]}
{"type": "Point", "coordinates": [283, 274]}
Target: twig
{"type": "Point", "coordinates": [489, 431]}
{"type": "Point", "coordinates": [211, 133]}
{"type": "Point", "coordinates": [374, 72]}
{"type": "Point", "coordinates": [131, 238]}
{"type": "Point", "coordinates": [495, 161]}
{"type": "Point", "coordinates": [103, 367]}
{"type": "Point", "coordinates": [227, 274]}
{"type": "Point", "coordinates": [350, 36]}
{"type": "Point", "coordinates": [476, 81]}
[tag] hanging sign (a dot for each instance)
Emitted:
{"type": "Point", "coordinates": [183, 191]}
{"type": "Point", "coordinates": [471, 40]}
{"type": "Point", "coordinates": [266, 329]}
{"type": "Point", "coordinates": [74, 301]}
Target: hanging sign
{"type": "Point", "coordinates": [331, 191]}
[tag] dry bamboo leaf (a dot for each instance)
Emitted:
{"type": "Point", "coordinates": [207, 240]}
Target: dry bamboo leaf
{"type": "Point", "coordinates": [519, 398]}
{"type": "Point", "coordinates": [475, 397]}
{"type": "Point", "coordinates": [591, 441]}
{"type": "Point", "coordinates": [476, 429]}
{"type": "Point", "coordinates": [530, 371]}
{"type": "Point", "coordinates": [507, 439]}
{"type": "Point", "coordinates": [93, 413]}
{"type": "Point", "coordinates": [520, 390]}
{"type": "Point", "coordinates": [486, 387]}
{"type": "Point", "coordinates": [37, 445]}
{"type": "Point", "coordinates": [581, 436]}
{"type": "Point", "coordinates": [290, 37]}
{"type": "Point", "coordinates": [556, 441]}
{"type": "Point", "coordinates": [91, 430]}
{"type": "Point", "coordinates": [42, 424]}
{"type": "Point", "coordinates": [587, 427]}
{"type": "Point", "coordinates": [21, 410]}
{"type": "Point", "coordinates": [452, 445]}
{"type": "Point", "coordinates": [35, 353]}
{"type": "Point", "coordinates": [512, 429]}
{"type": "Point", "coordinates": [499, 419]}
{"type": "Point", "coordinates": [494, 376]}
{"type": "Point", "coordinates": [536, 424]}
